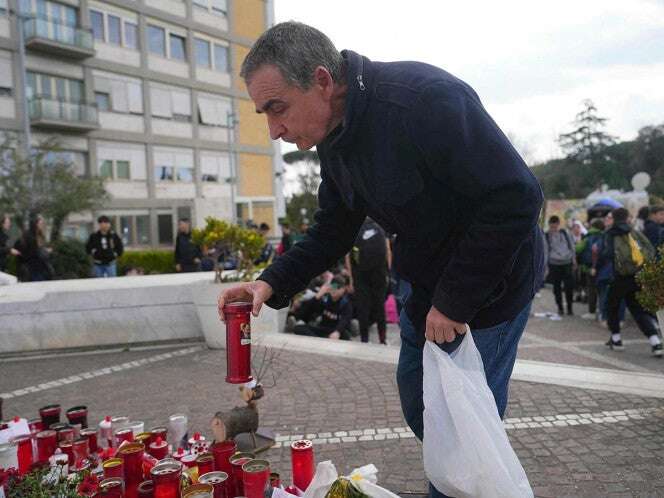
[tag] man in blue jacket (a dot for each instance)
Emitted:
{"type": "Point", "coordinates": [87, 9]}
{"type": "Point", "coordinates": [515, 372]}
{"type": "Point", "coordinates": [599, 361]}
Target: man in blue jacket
{"type": "Point", "coordinates": [412, 147]}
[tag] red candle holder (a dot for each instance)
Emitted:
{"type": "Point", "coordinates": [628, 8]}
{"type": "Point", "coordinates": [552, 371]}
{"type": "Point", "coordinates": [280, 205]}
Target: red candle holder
{"type": "Point", "coordinates": [166, 478]}
{"type": "Point", "coordinates": [219, 481]}
{"type": "Point", "coordinates": [113, 467]}
{"type": "Point", "coordinates": [47, 442]}
{"type": "Point", "coordinates": [302, 462]}
{"type": "Point", "coordinates": [158, 448]}
{"type": "Point", "coordinates": [145, 489]}
{"type": "Point", "coordinates": [80, 450]}
{"type": "Point", "coordinates": [50, 414]}
{"type": "Point", "coordinates": [238, 342]}
{"type": "Point", "coordinates": [78, 415]}
{"type": "Point", "coordinates": [112, 487]}
{"type": "Point", "coordinates": [122, 435]}
{"type": "Point", "coordinates": [237, 461]}
{"type": "Point", "coordinates": [23, 453]}
{"type": "Point", "coordinates": [223, 451]}
{"type": "Point", "coordinates": [198, 491]}
{"type": "Point", "coordinates": [205, 463]}
{"type": "Point", "coordinates": [35, 425]}
{"type": "Point", "coordinates": [91, 436]}
{"type": "Point", "coordinates": [256, 477]}
{"type": "Point", "coordinates": [132, 456]}
{"type": "Point", "coordinates": [161, 432]}
{"type": "Point", "coordinates": [67, 448]}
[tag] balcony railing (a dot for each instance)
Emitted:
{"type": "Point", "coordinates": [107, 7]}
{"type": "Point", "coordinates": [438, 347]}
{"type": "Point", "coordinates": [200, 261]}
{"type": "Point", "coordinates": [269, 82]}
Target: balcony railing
{"type": "Point", "coordinates": [58, 114]}
{"type": "Point", "coordinates": [53, 37]}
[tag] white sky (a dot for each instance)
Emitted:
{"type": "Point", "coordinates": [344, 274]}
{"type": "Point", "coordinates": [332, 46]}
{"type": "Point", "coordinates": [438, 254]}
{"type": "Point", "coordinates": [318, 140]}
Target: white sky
{"type": "Point", "coordinates": [532, 62]}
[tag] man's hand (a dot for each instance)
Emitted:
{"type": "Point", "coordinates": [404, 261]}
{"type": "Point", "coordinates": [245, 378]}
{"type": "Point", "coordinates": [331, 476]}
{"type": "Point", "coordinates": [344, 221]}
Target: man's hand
{"type": "Point", "coordinates": [254, 292]}
{"type": "Point", "coordinates": [440, 329]}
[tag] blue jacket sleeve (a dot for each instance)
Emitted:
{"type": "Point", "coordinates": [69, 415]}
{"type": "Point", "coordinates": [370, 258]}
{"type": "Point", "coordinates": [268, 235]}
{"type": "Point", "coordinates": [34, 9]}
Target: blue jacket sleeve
{"type": "Point", "coordinates": [329, 238]}
{"type": "Point", "coordinates": [465, 149]}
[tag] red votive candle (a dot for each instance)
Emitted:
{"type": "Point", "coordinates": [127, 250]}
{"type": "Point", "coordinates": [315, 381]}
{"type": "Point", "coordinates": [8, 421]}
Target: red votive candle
{"type": "Point", "coordinates": [113, 467]}
{"type": "Point", "coordinates": [302, 462]}
{"type": "Point", "coordinates": [47, 442]}
{"type": "Point", "coordinates": [23, 453]}
{"type": "Point", "coordinates": [78, 415]}
{"type": "Point", "coordinates": [35, 425]}
{"type": "Point", "coordinates": [223, 451]}
{"type": "Point", "coordinates": [112, 487]}
{"type": "Point", "coordinates": [132, 456]}
{"type": "Point", "coordinates": [121, 435]}
{"type": "Point", "coordinates": [146, 489]}
{"type": "Point", "coordinates": [166, 479]}
{"type": "Point", "coordinates": [50, 414]}
{"type": "Point", "coordinates": [161, 432]}
{"type": "Point", "coordinates": [219, 481]}
{"type": "Point", "coordinates": [205, 463]}
{"type": "Point", "coordinates": [256, 476]}
{"type": "Point", "coordinates": [81, 451]}
{"type": "Point", "coordinates": [68, 449]}
{"type": "Point", "coordinates": [158, 448]}
{"type": "Point", "coordinates": [238, 342]}
{"type": "Point", "coordinates": [198, 491]}
{"type": "Point", "coordinates": [237, 461]}
{"type": "Point", "coordinates": [65, 434]}
{"type": "Point", "coordinates": [91, 436]}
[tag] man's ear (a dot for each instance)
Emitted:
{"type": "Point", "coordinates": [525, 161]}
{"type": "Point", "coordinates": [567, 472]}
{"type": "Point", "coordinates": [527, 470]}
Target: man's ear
{"type": "Point", "coordinates": [323, 80]}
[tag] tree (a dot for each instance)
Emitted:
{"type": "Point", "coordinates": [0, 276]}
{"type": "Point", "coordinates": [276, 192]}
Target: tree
{"type": "Point", "coordinates": [586, 142]}
{"type": "Point", "coordinates": [44, 183]}
{"type": "Point", "coordinates": [303, 204]}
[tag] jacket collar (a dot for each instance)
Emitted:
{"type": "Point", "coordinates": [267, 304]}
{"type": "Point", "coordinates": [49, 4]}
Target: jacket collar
{"type": "Point", "coordinates": [358, 79]}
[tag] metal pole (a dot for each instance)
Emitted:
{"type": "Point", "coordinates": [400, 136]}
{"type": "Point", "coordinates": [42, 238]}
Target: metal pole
{"type": "Point", "coordinates": [231, 122]}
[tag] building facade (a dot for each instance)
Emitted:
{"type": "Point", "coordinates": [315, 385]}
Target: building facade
{"type": "Point", "coordinates": [147, 95]}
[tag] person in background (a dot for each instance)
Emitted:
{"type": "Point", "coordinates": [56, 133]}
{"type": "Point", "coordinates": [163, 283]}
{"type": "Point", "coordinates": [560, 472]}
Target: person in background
{"type": "Point", "coordinates": [331, 307]}
{"type": "Point", "coordinates": [626, 250]}
{"type": "Point", "coordinates": [368, 265]}
{"type": "Point", "coordinates": [586, 251]}
{"type": "Point", "coordinates": [286, 238]}
{"type": "Point", "coordinates": [561, 263]}
{"type": "Point", "coordinates": [298, 236]}
{"type": "Point", "coordinates": [578, 232]}
{"type": "Point", "coordinates": [5, 250]}
{"type": "Point", "coordinates": [653, 226]}
{"type": "Point", "coordinates": [604, 278]}
{"type": "Point", "coordinates": [187, 254]}
{"type": "Point", "coordinates": [34, 259]}
{"type": "Point", "coordinates": [267, 253]}
{"type": "Point", "coordinates": [641, 218]}
{"type": "Point", "coordinates": [105, 247]}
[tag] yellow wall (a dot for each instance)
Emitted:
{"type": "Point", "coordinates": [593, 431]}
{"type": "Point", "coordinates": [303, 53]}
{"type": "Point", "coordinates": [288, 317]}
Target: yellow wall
{"type": "Point", "coordinates": [253, 126]}
{"type": "Point", "coordinates": [239, 53]}
{"type": "Point", "coordinates": [248, 18]}
{"type": "Point", "coordinates": [255, 175]}
{"type": "Point", "coordinates": [264, 213]}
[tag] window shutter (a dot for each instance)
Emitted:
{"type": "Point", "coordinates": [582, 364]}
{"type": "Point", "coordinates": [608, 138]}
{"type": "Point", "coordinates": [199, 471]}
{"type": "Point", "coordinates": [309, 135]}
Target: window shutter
{"type": "Point", "coordinates": [181, 102]}
{"type": "Point", "coordinates": [6, 73]}
{"type": "Point", "coordinates": [135, 98]}
{"type": "Point", "coordinates": [119, 96]}
{"type": "Point", "coordinates": [160, 100]}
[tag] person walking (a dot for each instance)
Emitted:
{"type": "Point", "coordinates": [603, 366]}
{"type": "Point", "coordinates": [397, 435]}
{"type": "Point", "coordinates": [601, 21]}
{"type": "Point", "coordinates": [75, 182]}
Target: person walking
{"type": "Point", "coordinates": [587, 254]}
{"type": "Point", "coordinates": [187, 254]}
{"type": "Point", "coordinates": [561, 251]}
{"type": "Point", "coordinates": [368, 265]}
{"type": "Point", "coordinates": [104, 246]}
{"type": "Point", "coordinates": [625, 250]}
{"type": "Point", "coordinates": [5, 249]}
{"type": "Point", "coordinates": [34, 259]}
{"type": "Point", "coordinates": [411, 146]}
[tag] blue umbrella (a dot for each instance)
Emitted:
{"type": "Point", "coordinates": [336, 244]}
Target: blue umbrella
{"type": "Point", "coordinates": [607, 201]}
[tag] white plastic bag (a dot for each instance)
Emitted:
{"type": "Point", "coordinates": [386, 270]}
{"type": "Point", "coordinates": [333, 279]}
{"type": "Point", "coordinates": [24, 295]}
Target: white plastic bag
{"type": "Point", "coordinates": [326, 474]}
{"type": "Point", "coordinates": [365, 479]}
{"type": "Point", "coordinates": [466, 450]}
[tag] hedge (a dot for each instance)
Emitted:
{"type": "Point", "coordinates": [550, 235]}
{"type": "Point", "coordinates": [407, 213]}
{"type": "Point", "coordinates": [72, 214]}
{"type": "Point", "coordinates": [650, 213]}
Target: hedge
{"type": "Point", "coordinates": [151, 261]}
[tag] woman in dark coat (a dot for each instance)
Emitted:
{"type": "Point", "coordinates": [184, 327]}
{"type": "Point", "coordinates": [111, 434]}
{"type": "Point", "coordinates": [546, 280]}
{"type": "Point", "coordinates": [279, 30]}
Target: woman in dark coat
{"type": "Point", "coordinates": [35, 255]}
{"type": "Point", "coordinates": [5, 250]}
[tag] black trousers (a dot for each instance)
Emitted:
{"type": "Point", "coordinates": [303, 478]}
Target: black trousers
{"type": "Point", "coordinates": [318, 331]}
{"type": "Point", "coordinates": [369, 300]}
{"type": "Point", "coordinates": [591, 290]}
{"type": "Point", "coordinates": [562, 276]}
{"type": "Point", "coordinates": [626, 288]}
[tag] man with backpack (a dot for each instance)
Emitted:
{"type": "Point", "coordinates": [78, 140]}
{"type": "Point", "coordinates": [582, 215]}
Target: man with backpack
{"type": "Point", "coordinates": [368, 269]}
{"type": "Point", "coordinates": [561, 263]}
{"type": "Point", "coordinates": [586, 251]}
{"type": "Point", "coordinates": [627, 249]}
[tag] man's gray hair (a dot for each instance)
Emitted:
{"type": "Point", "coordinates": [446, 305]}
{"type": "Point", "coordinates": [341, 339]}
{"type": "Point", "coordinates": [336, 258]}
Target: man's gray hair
{"type": "Point", "coordinates": [296, 50]}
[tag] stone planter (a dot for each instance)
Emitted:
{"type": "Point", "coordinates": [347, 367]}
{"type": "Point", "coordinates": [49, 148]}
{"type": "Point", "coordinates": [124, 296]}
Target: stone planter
{"type": "Point", "coordinates": [205, 295]}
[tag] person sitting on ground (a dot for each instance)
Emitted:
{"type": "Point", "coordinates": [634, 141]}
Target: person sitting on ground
{"type": "Point", "coordinates": [330, 309]}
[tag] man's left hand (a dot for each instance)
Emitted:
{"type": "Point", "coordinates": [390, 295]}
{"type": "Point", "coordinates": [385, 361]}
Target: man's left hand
{"type": "Point", "coordinates": [441, 329]}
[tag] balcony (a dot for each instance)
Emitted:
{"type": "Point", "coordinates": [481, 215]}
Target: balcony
{"type": "Point", "coordinates": [58, 39]}
{"type": "Point", "coordinates": [62, 116]}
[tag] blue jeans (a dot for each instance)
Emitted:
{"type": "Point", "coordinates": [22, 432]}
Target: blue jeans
{"type": "Point", "coordinates": [108, 270]}
{"type": "Point", "coordinates": [497, 346]}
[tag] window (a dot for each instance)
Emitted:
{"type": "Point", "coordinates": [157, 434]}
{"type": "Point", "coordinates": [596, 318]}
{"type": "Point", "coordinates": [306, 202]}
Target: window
{"type": "Point", "coordinates": [213, 110]}
{"type": "Point", "coordinates": [185, 175]}
{"type": "Point", "coordinates": [165, 228]}
{"type": "Point", "coordinates": [97, 21]}
{"type": "Point", "coordinates": [123, 93]}
{"type": "Point", "coordinates": [6, 74]}
{"type": "Point", "coordinates": [131, 34]}
{"type": "Point", "coordinates": [163, 173]}
{"type": "Point", "coordinates": [170, 102]}
{"type": "Point", "coordinates": [143, 229]}
{"type": "Point", "coordinates": [3, 6]}
{"type": "Point", "coordinates": [54, 87]}
{"type": "Point", "coordinates": [177, 47]}
{"type": "Point", "coordinates": [156, 43]}
{"type": "Point", "coordinates": [115, 169]}
{"type": "Point", "coordinates": [215, 167]}
{"type": "Point", "coordinates": [202, 52]}
{"type": "Point", "coordinates": [133, 229]}
{"type": "Point", "coordinates": [221, 58]}
{"type": "Point", "coordinates": [114, 30]}
{"type": "Point", "coordinates": [126, 233]}
{"type": "Point", "coordinates": [219, 6]}
{"type": "Point", "coordinates": [103, 101]}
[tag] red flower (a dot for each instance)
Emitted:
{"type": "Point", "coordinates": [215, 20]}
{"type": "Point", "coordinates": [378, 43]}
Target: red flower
{"type": "Point", "coordinates": [88, 486]}
{"type": "Point", "coordinates": [8, 476]}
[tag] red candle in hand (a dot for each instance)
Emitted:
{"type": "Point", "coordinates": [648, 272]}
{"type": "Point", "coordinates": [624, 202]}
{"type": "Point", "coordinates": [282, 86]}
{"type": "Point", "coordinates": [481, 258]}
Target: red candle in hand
{"type": "Point", "coordinates": [302, 461]}
{"type": "Point", "coordinates": [238, 342]}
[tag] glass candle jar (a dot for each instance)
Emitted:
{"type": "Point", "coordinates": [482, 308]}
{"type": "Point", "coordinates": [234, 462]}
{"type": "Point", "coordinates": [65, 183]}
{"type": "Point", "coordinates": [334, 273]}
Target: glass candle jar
{"type": "Point", "coordinates": [78, 415]}
{"type": "Point", "coordinates": [205, 463]}
{"type": "Point", "coordinates": [255, 478]}
{"type": "Point", "coordinates": [219, 481]}
{"type": "Point", "coordinates": [112, 487]}
{"type": "Point", "coordinates": [222, 452]}
{"type": "Point", "coordinates": [23, 453]}
{"type": "Point", "coordinates": [47, 442]}
{"type": "Point", "coordinates": [238, 342]}
{"type": "Point", "coordinates": [302, 462]}
{"type": "Point", "coordinates": [237, 461]}
{"type": "Point", "coordinates": [50, 414]}
{"type": "Point", "coordinates": [166, 478]}
{"type": "Point", "coordinates": [132, 456]}
{"type": "Point", "coordinates": [113, 467]}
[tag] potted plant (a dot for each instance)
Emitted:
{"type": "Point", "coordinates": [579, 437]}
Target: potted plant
{"type": "Point", "coordinates": [651, 280]}
{"type": "Point", "coordinates": [240, 247]}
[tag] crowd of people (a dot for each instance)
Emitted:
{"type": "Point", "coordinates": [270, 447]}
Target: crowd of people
{"type": "Point", "coordinates": [597, 263]}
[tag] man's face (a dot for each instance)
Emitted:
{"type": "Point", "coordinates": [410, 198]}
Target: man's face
{"type": "Point", "coordinates": [297, 116]}
{"type": "Point", "coordinates": [659, 217]}
{"type": "Point", "coordinates": [104, 226]}
{"type": "Point", "coordinates": [183, 227]}
{"type": "Point", "coordinates": [554, 227]}
{"type": "Point", "coordinates": [608, 220]}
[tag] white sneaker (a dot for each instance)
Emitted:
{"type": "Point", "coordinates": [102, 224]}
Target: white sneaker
{"type": "Point", "coordinates": [588, 316]}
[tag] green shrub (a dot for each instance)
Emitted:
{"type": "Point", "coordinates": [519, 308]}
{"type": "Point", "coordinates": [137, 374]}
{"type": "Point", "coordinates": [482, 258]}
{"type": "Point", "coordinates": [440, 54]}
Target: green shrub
{"type": "Point", "coordinates": [151, 261]}
{"type": "Point", "coordinates": [70, 260]}
{"type": "Point", "coordinates": [651, 279]}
